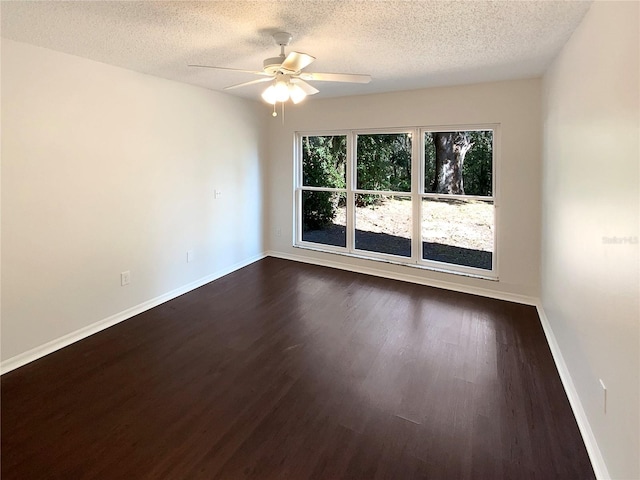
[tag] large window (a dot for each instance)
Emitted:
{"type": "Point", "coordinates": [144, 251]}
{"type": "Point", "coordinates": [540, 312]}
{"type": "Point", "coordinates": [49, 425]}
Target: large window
{"type": "Point", "coordinates": [416, 196]}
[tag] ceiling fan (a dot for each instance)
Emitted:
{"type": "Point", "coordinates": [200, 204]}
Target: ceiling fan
{"type": "Point", "coordinates": [288, 80]}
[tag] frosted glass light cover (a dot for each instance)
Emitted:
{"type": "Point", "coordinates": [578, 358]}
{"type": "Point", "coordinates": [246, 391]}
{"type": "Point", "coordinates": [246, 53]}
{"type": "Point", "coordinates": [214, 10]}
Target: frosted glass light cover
{"type": "Point", "coordinates": [281, 91]}
{"type": "Point", "coordinates": [269, 95]}
{"type": "Point", "coordinates": [297, 94]}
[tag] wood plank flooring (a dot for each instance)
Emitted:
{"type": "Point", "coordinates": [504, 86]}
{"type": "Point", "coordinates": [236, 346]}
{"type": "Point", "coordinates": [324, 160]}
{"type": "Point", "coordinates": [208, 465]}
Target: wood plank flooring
{"type": "Point", "coordinates": [283, 370]}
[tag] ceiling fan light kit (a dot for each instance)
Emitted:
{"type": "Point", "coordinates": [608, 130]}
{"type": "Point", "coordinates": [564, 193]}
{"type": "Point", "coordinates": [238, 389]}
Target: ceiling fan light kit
{"type": "Point", "coordinates": [282, 90]}
{"type": "Point", "coordinates": [288, 81]}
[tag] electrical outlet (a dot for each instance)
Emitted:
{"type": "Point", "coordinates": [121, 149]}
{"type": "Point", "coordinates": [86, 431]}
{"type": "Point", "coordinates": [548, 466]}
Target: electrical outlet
{"type": "Point", "coordinates": [189, 256]}
{"type": "Point", "coordinates": [604, 396]}
{"type": "Point", "coordinates": [125, 278]}
{"type": "Point", "coordinates": [278, 232]}
{"type": "Point", "coordinates": [217, 194]}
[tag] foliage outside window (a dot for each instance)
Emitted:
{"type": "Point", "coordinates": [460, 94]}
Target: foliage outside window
{"type": "Point", "coordinates": [416, 196]}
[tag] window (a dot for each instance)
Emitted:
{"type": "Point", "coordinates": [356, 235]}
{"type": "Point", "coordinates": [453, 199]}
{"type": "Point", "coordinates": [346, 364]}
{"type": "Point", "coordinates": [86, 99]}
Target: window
{"type": "Point", "coordinates": [457, 203]}
{"type": "Point", "coordinates": [421, 196]}
{"type": "Point", "coordinates": [324, 183]}
{"type": "Point", "coordinates": [383, 178]}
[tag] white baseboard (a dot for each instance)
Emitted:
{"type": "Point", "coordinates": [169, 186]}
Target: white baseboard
{"type": "Point", "coordinates": [597, 461]}
{"type": "Point", "coordinates": [50, 347]}
{"type": "Point", "coordinates": [483, 292]}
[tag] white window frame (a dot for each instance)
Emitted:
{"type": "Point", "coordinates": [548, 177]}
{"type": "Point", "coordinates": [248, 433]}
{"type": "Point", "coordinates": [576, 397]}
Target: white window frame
{"type": "Point", "coordinates": [417, 194]}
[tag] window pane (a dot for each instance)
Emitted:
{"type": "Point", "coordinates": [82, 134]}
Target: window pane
{"type": "Point", "coordinates": [324, 161]}
{"type": "Point", "coordinates": [458, 232]}
{"type": "Point", "coordinates": [459, 163]}
{"type": "Point", "coordinates": [383, 224]}
{"type": "Point", "coordinates": [324, 218]}
{"type": "Point", "coordinates": [384, 162]}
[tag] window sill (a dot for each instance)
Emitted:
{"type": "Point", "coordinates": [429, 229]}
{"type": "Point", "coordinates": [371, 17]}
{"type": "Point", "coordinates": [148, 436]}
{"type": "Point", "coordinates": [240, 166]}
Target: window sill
{"type": "Point", "coordinates": [480, 276]}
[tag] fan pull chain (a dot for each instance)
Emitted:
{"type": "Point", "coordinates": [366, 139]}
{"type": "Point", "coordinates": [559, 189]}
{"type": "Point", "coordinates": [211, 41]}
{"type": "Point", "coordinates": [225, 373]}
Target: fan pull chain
{"type": "Point", "coordinates": [275, 113]}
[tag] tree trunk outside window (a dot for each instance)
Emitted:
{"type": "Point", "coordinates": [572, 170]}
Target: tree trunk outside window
{"type": "Point", "coordinates": [451, 148]}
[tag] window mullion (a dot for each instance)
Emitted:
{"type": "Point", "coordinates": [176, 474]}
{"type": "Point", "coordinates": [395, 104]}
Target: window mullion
{"type": "Point", "coordinates": [416, 186]}
{"type": "Point", "coordinates": [351, 179]}
{"type": "Point", "coordinates": [297, 190]}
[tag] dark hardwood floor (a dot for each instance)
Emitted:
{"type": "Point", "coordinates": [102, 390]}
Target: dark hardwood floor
{"type": "Point", "coordinates": [292, 371]}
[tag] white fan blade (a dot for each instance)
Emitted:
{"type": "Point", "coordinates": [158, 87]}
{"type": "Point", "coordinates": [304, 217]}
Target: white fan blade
{"type": "Point", "coordinates": [296, 61]}
{"type": "Point", "coordinates": [336, 77]}
{"type": "Point", "coordinates": [308, 89]}
{"type": "Point", "coordinates": [252, 82]}
{"type": "Point", "coordinates": [255, 72]}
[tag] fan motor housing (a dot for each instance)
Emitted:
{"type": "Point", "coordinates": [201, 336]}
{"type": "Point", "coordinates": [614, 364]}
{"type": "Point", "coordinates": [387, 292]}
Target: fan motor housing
{"type": "Point", "coordinates": [272, 65]}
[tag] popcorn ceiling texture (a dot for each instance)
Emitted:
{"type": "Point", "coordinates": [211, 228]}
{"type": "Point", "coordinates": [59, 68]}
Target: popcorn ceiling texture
{"type": "Point", "coordinates": [404, 45]}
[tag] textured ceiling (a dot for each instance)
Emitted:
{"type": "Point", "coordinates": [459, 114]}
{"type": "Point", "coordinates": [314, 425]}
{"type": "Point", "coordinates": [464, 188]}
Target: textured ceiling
{"type": "Point", "coordinates": [403, 45]}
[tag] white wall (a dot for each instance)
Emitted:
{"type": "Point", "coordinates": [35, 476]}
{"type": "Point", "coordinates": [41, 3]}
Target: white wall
{"type": "Point", "coordinates": [515, 105]}
{"type": "Point", "coordinates": [590, 288]}
{"type": "Point", "coordinates": [106, 170]}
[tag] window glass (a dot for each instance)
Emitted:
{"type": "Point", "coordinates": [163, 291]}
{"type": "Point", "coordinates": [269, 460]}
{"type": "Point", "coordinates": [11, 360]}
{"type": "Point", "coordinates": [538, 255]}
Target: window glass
{"type": "Point", "coordinates": [458, 231]}
{"type": "Point", "coordinates": [324, 161]}
{"type": "Point", "coordinates": [383, 224]}
{"type": "Point", "coordinates": [384, 162]}
{"type": "Point", "coordinates": [459, 163]}
{"type": "Point", "coordinates": [324, 218]}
